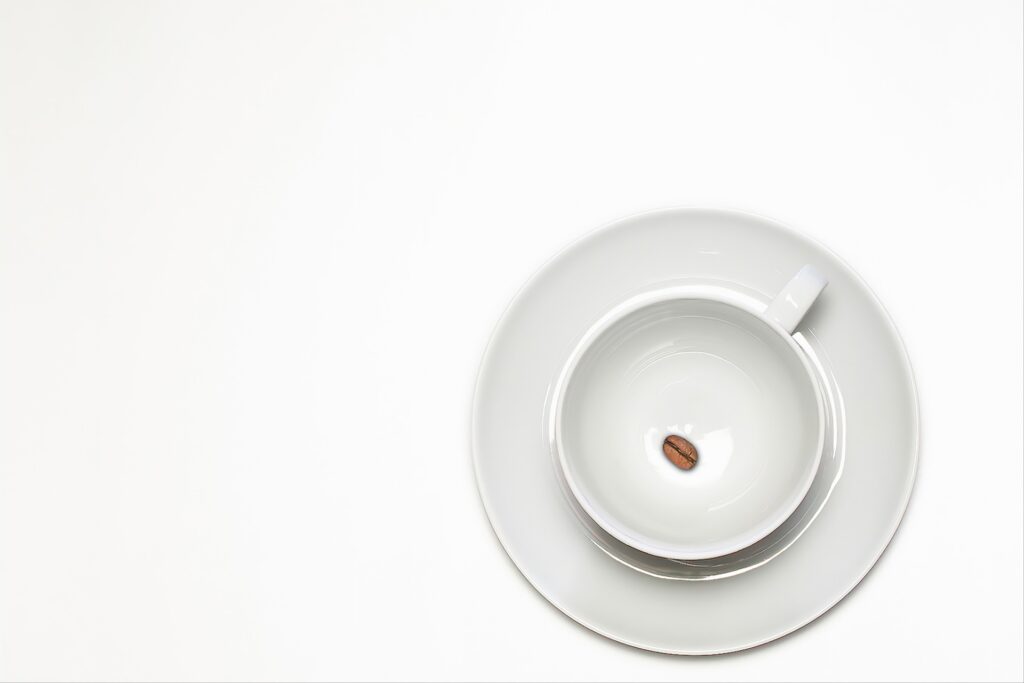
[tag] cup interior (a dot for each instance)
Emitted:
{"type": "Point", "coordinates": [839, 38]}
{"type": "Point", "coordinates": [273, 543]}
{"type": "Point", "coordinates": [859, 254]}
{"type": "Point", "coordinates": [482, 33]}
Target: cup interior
{"type": "Point", "coordinates": [710, 370]}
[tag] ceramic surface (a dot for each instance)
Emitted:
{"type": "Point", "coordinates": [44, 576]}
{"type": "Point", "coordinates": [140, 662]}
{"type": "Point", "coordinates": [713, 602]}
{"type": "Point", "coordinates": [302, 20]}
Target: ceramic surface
{"type": "Point", "coordinates": [815, 557]}
{"type": "Point", "coordinates": [712, 366]}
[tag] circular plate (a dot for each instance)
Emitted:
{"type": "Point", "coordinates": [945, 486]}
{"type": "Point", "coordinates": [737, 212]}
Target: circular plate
{"type": "Point", "coordinates": [546, 539]}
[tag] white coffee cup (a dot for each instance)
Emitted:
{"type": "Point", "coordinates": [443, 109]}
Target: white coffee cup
{"type": "Point", "coordinates": [717, 368]}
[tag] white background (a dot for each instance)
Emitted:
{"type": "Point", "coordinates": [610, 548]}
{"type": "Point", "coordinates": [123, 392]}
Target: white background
{"type": "Point", "coordinates": [250, 256]}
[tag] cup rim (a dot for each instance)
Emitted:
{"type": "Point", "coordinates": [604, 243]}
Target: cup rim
{"type": "Point", "coordinates": [712, 293]}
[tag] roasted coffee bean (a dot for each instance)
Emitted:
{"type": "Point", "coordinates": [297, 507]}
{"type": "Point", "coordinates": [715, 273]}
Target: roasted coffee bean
{"type": "Point", "coordinates": [680, 452]}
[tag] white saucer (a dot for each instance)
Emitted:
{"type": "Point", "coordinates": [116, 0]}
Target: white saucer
{"type": "Point", "coordinates": [525, 499]}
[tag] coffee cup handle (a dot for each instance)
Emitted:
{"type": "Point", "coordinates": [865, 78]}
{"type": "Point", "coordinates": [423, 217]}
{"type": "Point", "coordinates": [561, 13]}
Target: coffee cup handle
{"type": "Point", "coordinates": [796, 298]}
